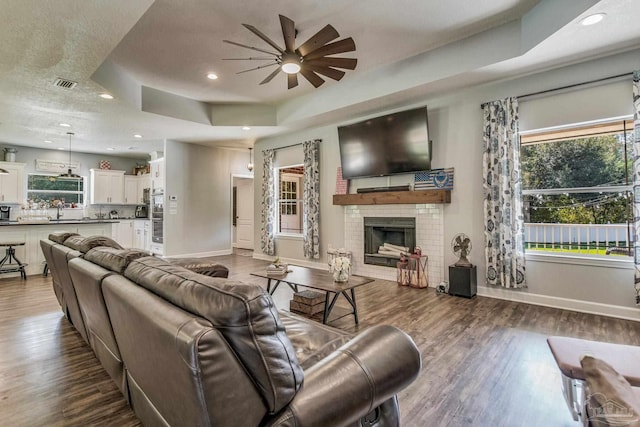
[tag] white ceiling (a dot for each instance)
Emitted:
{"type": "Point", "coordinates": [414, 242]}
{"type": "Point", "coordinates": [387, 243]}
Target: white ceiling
{"type": "Point", "coordinates": [153, 57]}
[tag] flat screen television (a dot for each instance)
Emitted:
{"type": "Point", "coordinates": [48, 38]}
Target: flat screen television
{"type": "Point", "coordinates": [387, 145]}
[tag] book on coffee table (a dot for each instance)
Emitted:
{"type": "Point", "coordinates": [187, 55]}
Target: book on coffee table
{"type": "Point", "coordinates": [277, 270]}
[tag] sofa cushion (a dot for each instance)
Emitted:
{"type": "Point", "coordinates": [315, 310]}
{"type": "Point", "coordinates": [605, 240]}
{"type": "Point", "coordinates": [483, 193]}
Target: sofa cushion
{"type": "Point", "coordinates": [244, 314]}
{"type": "Point", "coordinates": [201, 266]}
{"type": "Point", "coordinates": [113, 259]}
{"type": "Point", "coordinates": [311, 340]}
{"type": "Point", "coordinates": [85, 244]}
{"type": "Point", "coordinates": [610, 400]}
{"type": "Point", "coordinates": [61, 236]}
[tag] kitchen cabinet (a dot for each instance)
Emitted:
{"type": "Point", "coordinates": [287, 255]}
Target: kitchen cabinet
{"type": "Point", "coordinates": [12, 184]}
{"type": "Point", "coordinates": [157, 173]}
{"type": "Point", "coordinates": [142, 234]}
{"type": "Point", "coordinates": [131, 190]}
{"type": "Point", "coordinates": [144, 181]}
{"type": "Point", "coordinates": [107, 187]}
{"type": "Point", "coordinates": [134, 186]}
{"type": "Point", "coordinates": [123, 233]}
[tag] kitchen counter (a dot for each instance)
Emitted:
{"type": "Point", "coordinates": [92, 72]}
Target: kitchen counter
{"type": "Point", "coordinates": [62, 221]}
{"type": "Point", "coordinates": [31, 234]}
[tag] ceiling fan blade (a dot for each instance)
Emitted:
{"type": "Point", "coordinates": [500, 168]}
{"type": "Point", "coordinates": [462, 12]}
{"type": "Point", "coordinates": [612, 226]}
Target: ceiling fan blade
{"type": "Point", "coordinates": [326, 71]}
{"type": "Point", "coordinates": [348, 63]}
{"type": "Point", "coordinates": [259, 33]}
{"type": "Point", "coordinates": [271, 76]}
{"type": "Point", "coordinates": [341, 46]}
{"type": "Point", "coordinates": [250, 47]}
{"type": "Point", "coordinates": [292, 80]}
{"type": "Point", "coordinates": [289, 33]}
{"type": "Point", "coordinates": [251, 58]}
{"type": "Point", "coordinates": [257, 68]}
{"type": "Point", "coordinates": [318, 40]}
{"type": "Point", "coordinates": [313, 78]}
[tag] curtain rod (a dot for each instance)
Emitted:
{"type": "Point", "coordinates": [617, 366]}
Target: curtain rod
{"type": "Point", "coordinates": [293, 145]}
{"type": "Point", "coordinates": [286, 146]}
{"type": "Point", "coordinates": [568, 86]}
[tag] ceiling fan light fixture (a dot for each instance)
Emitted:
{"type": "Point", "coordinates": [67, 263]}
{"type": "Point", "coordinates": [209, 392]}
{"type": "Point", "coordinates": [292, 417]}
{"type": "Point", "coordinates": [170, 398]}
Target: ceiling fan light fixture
{"type": "Point", "coordinates": [290, 64]}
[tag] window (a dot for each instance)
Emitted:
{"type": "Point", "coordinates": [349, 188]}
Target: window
{"type": "Point", "coordinates": [289, 199]}
{"type": "Point", "coordinates": [48, 188]}
{"type": "Point", "coordinates": [577, 189]}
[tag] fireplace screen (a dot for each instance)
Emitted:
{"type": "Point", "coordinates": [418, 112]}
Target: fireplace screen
{"type": "Point", "coordinates": [386, 238]}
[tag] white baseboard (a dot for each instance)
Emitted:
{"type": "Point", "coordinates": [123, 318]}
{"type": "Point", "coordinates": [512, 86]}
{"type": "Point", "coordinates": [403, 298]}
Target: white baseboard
{"type": "Point", "coordinates": [627, 313]}
{"type": "Point", "coordinates": [301, 262]}
{"type": "Point", "coordinates": [202, 254]}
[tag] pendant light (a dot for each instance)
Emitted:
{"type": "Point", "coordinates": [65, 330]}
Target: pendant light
{"type": "Point", "coordinates": [69, 174]}
{"type": "Point", "coordinates": [250, 164]}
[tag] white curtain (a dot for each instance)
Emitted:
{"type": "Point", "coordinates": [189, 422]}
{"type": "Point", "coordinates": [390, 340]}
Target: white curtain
{"type": "Point", "coordinates": [311, 200]}
{"type": "Point", "coordinates": [267, 231]}
{"type": "Point", "coordinates": [503, 215]}
{"type": "Point", "coordinates": [636, 181]}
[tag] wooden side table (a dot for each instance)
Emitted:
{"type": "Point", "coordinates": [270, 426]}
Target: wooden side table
{"type": "Point", "coordinates": [463, 281]}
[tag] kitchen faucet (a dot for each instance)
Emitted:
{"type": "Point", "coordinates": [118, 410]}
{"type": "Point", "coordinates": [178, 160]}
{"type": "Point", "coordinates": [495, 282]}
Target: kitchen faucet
{"type": "Point", "coordinates": [59, 208]}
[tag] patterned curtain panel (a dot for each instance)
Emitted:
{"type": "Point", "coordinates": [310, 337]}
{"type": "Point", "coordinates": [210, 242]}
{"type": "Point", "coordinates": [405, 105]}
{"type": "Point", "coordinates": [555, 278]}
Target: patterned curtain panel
{"type": "Point", "coordinates": [311, 200]}
{"type": "Point", "coordinates": [503, 215]}
{"type": "Point", "coordinates": [636, 181]}
{"type": "Point", "coordinates": [267, 231]}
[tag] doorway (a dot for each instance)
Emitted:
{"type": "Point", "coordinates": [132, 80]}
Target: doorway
{"type": "Point", "coordinates": [242, 215]}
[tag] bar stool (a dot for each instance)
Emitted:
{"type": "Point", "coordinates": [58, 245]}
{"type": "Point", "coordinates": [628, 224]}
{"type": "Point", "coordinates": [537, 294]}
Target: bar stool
{"type": "Point", "coordinates": [6, 266]}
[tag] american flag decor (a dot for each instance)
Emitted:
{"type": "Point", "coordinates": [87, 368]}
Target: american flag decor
{"type": "Point", "coordinates": [434, 179]}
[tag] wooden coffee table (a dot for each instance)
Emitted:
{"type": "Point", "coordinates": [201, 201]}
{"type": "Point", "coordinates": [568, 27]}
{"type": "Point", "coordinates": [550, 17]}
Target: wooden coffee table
{"type": "Point", "coordinates": [321, 281]}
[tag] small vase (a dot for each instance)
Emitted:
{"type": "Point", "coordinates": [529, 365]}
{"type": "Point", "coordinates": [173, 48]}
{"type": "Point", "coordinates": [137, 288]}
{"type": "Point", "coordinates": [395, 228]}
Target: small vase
{"type": "Point", "coordinates": [340, 275]}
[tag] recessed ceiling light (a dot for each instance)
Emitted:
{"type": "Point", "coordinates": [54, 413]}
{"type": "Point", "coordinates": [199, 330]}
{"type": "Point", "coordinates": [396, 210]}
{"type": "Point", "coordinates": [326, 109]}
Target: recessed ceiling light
{"type": "Point", "coordinates": [65, 125]}
{"type": "Point", "coordinates": [110, 149]}
{"type": "Point", "coordinates": [46, 141]}
{"type": "Point", "coordinates": [246, 128]}
{"type": "Point", "coordinates": [61, 148]}
{"type": "Point", "coordinates": [593, 19]}
{"type": "Point", "coordinates": [106, 96]}
{"type": "Point", "coordinates": [212, 76]}
{"type": "Point", "coordinates": [137, 135]}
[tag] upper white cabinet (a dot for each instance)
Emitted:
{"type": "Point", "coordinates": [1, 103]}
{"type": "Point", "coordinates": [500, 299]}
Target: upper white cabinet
{"type": "Point", "coordinates": [107, 187]}
{"type": "Point", "coordinates": [157, 174]}
{"type": "Point", "coordinates": [12, 184]}
{"type": "Point", "coordinates": [131, 190]}
{"type": "Point", "coordinates": [134, 186]}
{"type": "Point", "coordinates": [144, 181]}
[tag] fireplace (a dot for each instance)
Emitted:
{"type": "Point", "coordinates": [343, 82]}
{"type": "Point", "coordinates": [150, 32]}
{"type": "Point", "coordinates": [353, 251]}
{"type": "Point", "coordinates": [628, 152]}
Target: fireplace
{"type": "Point", "coordinates": [396, 231]}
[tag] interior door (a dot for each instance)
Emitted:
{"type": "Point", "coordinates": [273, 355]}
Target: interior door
{"type": "Point", "coordinates": [244, 212]}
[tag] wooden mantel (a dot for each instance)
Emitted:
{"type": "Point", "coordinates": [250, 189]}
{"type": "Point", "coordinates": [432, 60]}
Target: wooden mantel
{"type": "Point", "coordinates": [394, 198]}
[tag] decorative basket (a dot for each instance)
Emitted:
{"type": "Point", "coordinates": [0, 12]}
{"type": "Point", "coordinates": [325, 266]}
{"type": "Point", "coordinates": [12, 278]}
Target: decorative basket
{"type": "Point", "coordinates": [105, 164]}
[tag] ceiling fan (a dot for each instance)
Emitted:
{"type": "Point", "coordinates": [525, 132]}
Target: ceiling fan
{"type": "Point", "coordinates": [311, 59]}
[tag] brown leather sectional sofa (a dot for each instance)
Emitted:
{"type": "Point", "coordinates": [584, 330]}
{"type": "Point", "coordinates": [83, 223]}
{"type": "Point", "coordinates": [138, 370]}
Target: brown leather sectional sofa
{"type": "Point", "coordinates": [191, 350]}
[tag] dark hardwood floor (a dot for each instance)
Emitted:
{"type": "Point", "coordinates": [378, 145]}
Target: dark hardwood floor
{"type": "Point", "coordinates": [485, 361]}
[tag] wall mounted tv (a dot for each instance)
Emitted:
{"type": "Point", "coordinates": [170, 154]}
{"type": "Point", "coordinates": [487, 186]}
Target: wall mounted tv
{"type": "Point", "coordinates": [388, 145]}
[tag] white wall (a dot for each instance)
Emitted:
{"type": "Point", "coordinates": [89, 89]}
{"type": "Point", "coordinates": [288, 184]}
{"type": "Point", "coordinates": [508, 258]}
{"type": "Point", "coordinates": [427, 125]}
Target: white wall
{"type": "Point", "coordinates": [28, 155]}
{"type": "Point", "coordinates": [455, 124]}
{"type": "Point", "coordinates": [199, 178]}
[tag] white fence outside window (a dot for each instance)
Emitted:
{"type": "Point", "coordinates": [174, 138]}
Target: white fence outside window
{"type": "Point", "coordinates": [574, 236]}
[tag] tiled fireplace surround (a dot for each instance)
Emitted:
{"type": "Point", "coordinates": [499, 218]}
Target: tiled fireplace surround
{"type": "Point", "coordinates": [429, 237]}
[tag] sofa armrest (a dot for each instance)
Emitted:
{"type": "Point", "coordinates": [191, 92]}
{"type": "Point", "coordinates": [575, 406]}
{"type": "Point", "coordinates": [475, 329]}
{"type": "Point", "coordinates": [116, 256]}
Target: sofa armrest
{"type": "Point", "coordinates": [353, 380]}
